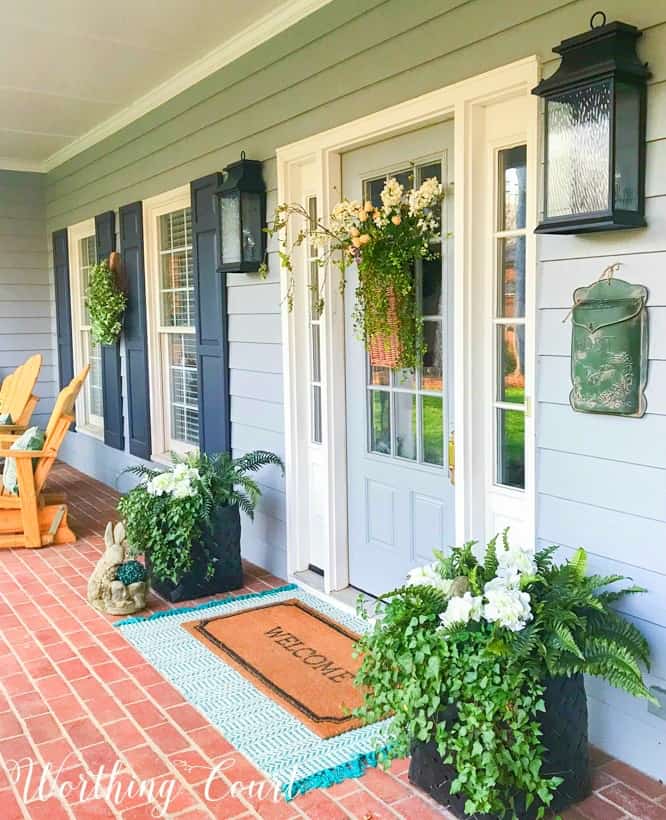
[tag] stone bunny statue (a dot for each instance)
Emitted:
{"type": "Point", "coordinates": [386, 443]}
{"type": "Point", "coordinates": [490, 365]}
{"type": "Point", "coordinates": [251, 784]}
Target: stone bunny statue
{"type": "Point", "coordinates": [105, 592]}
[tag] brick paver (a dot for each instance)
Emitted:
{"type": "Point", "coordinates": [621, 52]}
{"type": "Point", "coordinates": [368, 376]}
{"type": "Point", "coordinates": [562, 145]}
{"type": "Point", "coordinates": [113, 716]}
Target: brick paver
{"type": "Point", "coordinates": [75, 696]}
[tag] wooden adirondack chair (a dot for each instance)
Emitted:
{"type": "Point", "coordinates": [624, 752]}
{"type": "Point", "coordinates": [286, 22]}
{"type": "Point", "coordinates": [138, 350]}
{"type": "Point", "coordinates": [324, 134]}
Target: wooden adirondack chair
{"type": "Point", "coordinates": [17, 397]}
{"type": "Point", "coordinates": [33, 518]}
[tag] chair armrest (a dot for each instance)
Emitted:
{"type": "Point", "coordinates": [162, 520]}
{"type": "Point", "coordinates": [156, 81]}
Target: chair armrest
{"type": "Point", "coordinates": [22, 453]}
{"type": "Point", "coordinates": [12, 429]}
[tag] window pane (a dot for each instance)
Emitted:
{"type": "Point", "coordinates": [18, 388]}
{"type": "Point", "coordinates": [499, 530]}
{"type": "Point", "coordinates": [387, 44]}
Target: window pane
{"type": "Point", "coordinates": [511, 299]}
{"type": "Point", "coordinates": [184, 387]}
{"type": "Point", "coordinates": [380, 421]}
{"type": "Point", "coordinates": [433, 169]}
{"type": "Point", "coordinates": [432, 287]}
{"type": "Point", "coordinates": [405, 379]}
{"type": "Point", "coordinates": [432, 358]}
{"type": "Point", "coordinates": [511, 448]}
{"type": "Point", "coordinates": [433, 430]}
{"type": "Point", "coordinates": [405, 425]}
{"type": "Point", "coordinates": [578, 128]}
{"type": "Point", "coordinates": [379, 375]}
{"type": "Point", "coordinates": [511, 363]}
{"type": "Point", "coordinates": [95, 381]}
{"type": "Point", "coordinates": [512, 180]}
{"type": "Point", "coordinates": [176, 282]}
{"type": "Point", "coordinates": [316, 355]}
{"type": "Point", "coordinates": [316, 414]}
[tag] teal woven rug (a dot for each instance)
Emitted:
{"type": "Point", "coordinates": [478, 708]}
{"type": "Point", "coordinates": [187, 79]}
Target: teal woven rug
{"type": "Point", "coordinates": [277, 743]}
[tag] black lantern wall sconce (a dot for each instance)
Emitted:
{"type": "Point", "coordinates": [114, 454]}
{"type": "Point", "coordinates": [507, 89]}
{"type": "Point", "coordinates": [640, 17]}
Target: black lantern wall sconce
{"type": "Point", "coordinates": [595, 112]}
{"type": "Point", "coordinates": [242, 213]}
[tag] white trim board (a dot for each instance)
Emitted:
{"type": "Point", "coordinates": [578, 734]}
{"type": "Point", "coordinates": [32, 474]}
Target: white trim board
{"type": "Point", "coordinates": [287, 14]}
{"type": "Point", "coordinates": [314, 165]}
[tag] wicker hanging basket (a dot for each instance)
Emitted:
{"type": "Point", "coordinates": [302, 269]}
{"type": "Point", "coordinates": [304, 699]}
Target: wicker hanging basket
{"type": "Point", "coordinates": [385, 349]}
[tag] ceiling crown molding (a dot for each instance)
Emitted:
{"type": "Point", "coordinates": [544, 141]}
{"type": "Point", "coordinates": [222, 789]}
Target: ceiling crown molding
{"type": "Point", "coordinates": [26, 165]}
{"type": "Point", "coordinates": [283, 17]}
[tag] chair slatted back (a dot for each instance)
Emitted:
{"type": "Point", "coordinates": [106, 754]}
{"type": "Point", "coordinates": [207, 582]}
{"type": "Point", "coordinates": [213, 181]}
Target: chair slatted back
{"type": "Point", "coordinates": [61, 419]}
{"type": "Point", "coordinates": [18, 387]}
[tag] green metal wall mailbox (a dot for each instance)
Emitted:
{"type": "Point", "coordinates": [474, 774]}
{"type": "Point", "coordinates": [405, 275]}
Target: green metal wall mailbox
{"type": "Point", "coordinates": [609, 348]}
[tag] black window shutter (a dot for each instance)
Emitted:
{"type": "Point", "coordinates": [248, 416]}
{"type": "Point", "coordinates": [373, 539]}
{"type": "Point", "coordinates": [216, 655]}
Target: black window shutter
{"type": "Point", "coordinates": [136, 337]}
{"type": "Point", "coordinates": [105, 237]}
{"type": "Point", "coordinates": [63, 306]}
{"type": "Point", "coordinates": [211, 319]}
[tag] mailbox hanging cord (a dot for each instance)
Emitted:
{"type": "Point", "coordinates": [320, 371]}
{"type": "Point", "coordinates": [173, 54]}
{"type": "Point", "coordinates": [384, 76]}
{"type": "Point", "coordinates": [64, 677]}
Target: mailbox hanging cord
{"type": "Point", "coordinates": [607, 273]}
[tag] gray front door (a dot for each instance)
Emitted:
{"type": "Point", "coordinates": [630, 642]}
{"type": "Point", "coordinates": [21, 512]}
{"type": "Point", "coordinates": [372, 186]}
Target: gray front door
{"type": "Point", "coordinates": [400, 503]}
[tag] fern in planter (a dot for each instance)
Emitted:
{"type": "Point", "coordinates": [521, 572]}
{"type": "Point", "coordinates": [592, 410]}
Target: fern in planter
{"type": "Point", "coordinates": [106, 304]}
{"type": "Point", "coordinates": [169, 514]}
{"type": "Point", "coordinates": [463, 654]}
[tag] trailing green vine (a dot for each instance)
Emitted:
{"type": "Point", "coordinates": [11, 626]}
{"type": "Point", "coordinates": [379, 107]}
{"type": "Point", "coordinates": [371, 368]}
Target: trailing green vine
{"type": "Point", "coordinates": [384, 242]}
{"type": "Point", "coordinates": [106, 304]}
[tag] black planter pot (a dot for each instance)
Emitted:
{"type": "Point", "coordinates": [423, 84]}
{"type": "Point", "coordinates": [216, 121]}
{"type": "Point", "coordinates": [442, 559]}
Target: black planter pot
{"type": "Point", "coordinates": [564, 727]}
{"type": "Point", "coordinates": [223, 543]}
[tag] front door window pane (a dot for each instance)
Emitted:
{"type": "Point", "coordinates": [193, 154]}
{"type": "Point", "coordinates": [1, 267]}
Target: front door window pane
{"type": "Point", "coordinates": [511, 448]}
{"type": "Point", "coordinates": [433, 430]}
{"type": "Point", "coordinates": [511, 348]}
{"type": "Point", "coordinates": [405, 425]}
{"type": "Point", "coordinates": [433, 370]}
{"type": "Point", "coordinates": [512, 181]}
{"type": "Point", "coordinates": [380, 421]}
{"type": "Point", "coordinates": [512, 277]}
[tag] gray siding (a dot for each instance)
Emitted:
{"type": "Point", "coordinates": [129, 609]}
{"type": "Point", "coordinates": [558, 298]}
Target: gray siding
{"type": "Point", "coordinates": [601, 483]}
{"type": "Point", "coordinates": [602, 480]}
{"type": "Point", "coordinates": [26, 293]}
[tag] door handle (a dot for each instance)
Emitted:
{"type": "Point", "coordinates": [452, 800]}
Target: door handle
{"type": "Point", "coordinates": [452, 457]}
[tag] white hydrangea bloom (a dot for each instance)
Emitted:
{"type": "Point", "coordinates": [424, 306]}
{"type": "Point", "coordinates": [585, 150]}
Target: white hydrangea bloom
{"type": "Point", "coordinates": [392, 194]}
{"type": "Point", "coordinates": [429, 576]}
{"type": "Point", "coordinates": [462, 609]}
{"type": "Point", "coordinates": [514, 562]}
{"type": "Point", "coordinates": [160, 484]}
{"type": "Point", "coordinates": [506, 605]}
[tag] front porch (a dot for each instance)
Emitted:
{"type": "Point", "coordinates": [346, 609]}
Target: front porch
{"type": "Point", "coordinates": [75, 696]}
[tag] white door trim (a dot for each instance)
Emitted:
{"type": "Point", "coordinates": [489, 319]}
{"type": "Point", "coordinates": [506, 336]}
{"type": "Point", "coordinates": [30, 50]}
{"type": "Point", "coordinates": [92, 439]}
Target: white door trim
{"type": "Point", "coordinates": [319, 158]}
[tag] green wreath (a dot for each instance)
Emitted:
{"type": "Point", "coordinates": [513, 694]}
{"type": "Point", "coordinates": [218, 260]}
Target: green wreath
{"type": "Point", "coordinates": [106, 304]}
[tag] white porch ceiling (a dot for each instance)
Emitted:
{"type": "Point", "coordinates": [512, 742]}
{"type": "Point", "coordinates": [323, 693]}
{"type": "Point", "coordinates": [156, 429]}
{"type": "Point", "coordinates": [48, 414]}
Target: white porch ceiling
{"type": "Point", "coordinates": [74, 71]}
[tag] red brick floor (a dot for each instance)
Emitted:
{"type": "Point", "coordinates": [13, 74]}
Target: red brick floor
{"type": "Point", "coordinates": [75, 696]}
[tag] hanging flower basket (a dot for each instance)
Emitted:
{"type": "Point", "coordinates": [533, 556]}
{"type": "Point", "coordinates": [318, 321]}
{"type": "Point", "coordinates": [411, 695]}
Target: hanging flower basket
{"type": "Point", "coordinates": [385, 349]}
{"type": "Point", "coordinates": [384, 241]}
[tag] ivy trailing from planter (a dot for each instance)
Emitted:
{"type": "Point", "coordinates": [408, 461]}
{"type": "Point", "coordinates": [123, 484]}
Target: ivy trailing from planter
{"type": "Point", "coordinates": [106, 304]}
{"type": "Point", "coordinates": [460, 657]}
{"type": "Point", "coordinates": [384, 242]}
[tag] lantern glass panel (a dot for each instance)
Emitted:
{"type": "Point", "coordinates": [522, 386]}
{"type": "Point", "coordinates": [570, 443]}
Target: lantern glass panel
{"type": "Point", "coordinates": [578, 134]}
{"type": "Point", "coordinates": [252, 224]}
{"type": "Point", "coordinates": [230, 228]}
{"type": "Point", "coordinates": [627, 145]}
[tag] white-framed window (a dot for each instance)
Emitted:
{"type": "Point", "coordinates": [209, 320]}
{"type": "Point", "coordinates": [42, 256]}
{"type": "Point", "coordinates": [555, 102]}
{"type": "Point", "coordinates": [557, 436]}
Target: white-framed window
{"type": "Point", "coordinates": [82, 257]}
{"type": "Point", "coordinates": [314, 334]}
{"type": "Point", "coordinates": [509, 320]}
{"type": "Point", "coordinates": [171, 307]}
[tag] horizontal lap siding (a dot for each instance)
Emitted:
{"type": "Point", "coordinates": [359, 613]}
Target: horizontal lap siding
{"type": "Point", "coordinates": [602, 479]}
{"type": "Point", "coordinates": [26, 295]}
{"type": "Point", "coordinates": [601, 483]}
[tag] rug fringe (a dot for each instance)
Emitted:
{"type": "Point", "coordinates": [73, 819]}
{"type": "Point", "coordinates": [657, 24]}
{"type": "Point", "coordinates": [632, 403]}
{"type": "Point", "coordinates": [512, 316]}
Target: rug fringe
{"type": "Point", "coordinates": [179, 610]}
{"type": "Point", "coordinates": [337, 774]}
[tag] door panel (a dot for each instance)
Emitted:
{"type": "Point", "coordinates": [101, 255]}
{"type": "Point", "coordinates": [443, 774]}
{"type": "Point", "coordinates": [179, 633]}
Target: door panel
{"type": "Point", "coordinates": [398, 422]}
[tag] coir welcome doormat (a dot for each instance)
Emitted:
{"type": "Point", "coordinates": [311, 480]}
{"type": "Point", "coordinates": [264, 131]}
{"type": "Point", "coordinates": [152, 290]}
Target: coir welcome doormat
{"type": "Point", "coordinates": [295, 655]}
{"type": "Point", "coordinates": [265, 730]}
